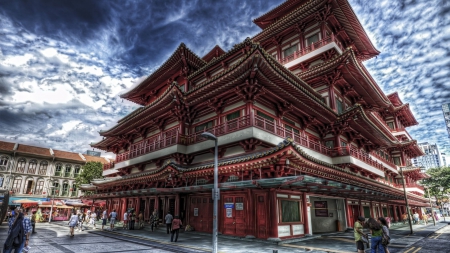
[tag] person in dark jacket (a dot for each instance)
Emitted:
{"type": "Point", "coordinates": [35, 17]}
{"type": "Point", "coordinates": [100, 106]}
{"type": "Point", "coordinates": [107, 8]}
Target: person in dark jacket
{"type": "Point", "coordinates": [18, 233]}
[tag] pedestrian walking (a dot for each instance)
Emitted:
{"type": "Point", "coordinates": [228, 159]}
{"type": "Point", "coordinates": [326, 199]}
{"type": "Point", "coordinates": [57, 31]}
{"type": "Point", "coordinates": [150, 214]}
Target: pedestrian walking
{"type": "Point", "coordinates": [404, 217]}
{"type": "Point", "coordinates": [154, 219]}
{"type": "Point", "coordinates": [125, 220]}
{"type": "Point", "coordinates": [104, 218]}
{"type": "Point", "coordinates": [425, 218]}
{"type": "Point", "coordinates": [93, 219]}
{"type": "Point", "coordinates": [360, 237]}
{"type": "Point", "coordinates": [168, 220]}
{"type": "Point", "coordinates": [377, 233]}
{"type": "Point", "coordinates": [33, 221]}
{"type": "Point", "coordinates": [176, 225]}
{"type": "Point", "coordinates": [141, 220]}
{"type": "Point", "coordinates": [18, 233]}
{"type": "Point", "coordinates": [416, 218]}
{"type": "Point", "coordinates": [436, 216]}
{"type": "Point", "coordinates": [132, 219]}
{"type": "Point", "coordinates": [73, 222]}
{"type": "Point", "coordinates": [112, 219]}
{"type": "Point", "coordinates": [386, 239]}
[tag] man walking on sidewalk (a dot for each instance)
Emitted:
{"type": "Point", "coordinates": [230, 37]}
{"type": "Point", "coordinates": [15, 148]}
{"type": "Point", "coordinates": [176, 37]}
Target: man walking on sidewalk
{"type": "Point", "coordinates": [169, 219]}
{"type": "Point", "coordinates": [113, 217]}
{"type": "Point", "coordinates": [176, 225]}
{"type": "Point", "coordinates": [104, 218]}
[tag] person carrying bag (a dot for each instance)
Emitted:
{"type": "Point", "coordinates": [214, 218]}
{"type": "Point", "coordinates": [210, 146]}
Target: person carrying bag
{"type": "Point", "coordinates": [360, 237]}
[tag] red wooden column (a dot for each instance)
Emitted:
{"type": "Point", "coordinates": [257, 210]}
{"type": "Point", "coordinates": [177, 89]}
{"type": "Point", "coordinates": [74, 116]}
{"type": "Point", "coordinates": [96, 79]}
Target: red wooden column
{"type": "Point", "coordinates": [177, 205]}
{"type": "Point", "coordinates": [305, 213]}
{"type": "Point", "coordinates": [361, 209]}
{"type": "Point", "coordinates": [273, 232]}
{"type": "Point", "coordinates": [332, 97]}
{"type": "Point", "coordinates": [372, 214]}
{"type": "Point", "coordinates": [250, 211]}
{"type": "Point", "coordinates": [348, 212]}
{"type": "Point", "coordinates": [138, 205]}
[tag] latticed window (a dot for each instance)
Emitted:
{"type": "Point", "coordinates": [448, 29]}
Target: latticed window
{"type": "Point", "coordinates": [58, 169]}
{"type": "Point", "coordinates": [339, 106]}
{"type": "Point", "coordinates": [43, 168]}
{"type": "Point", "coordinates": [329, 144]}
{"type": "Point", "coordinates": [74, 190]}
{"type": "Point", "coordinates": [65, 189]}
{"type": "Point", "coordinates": [68, 170]}
{"type": "Point", "coordinates": [397, 161]}
{"type": "Point", "coordinates": [3, 160]}
{"type": "Point", "coordinates": [32, 167]}
{"type": "Point", "coordinates": [233, 115]}
{"type": "Point", "coordinates": [21, 165]}
{"type": "Point", "coordinates": [312, 39]}
{"type": "Point", "coordinates": [76, 171]}
{"type": "Point", "coordinates": [39, 186]}
{"type": "Point", "coordinates": [55, 189]}
{"type": "Point", "coordinates": [391, 125]}
{"type": "Point", "coordinates": [290, 51]}
{"type": "Point", "coordinates": [265, 116]}
{"type": "Point", "coordinates": [204, 126]}
{"type": "Point", "coordinates": [290, 211]}
{"type": "Point", "coordinates": [16, 184]}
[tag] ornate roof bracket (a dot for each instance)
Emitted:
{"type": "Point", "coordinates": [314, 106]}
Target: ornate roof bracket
{"type": "Point", "coordinates": [322, 15]}
{"type": "Point", "coordinates": [216, 103]}
{"type": "Point", "coordinates": [250, 144]}
{"type": "Point", "coordinates": [283, 108]}
{"type": "Point", "coordinates": [250, 90]}
{"type": "Point", "coordinates": [183, 158]}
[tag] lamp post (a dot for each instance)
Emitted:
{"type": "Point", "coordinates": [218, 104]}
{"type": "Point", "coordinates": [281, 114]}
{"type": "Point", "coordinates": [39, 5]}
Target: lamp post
{"type": "Point", "coordinates": [442, 201]}
{"type": "Point", "coordinates": [216, 193]}
{"type": "Point", "coordinates": [51, 207]}
{"type": "Point", "coordinates": [406, 200]}
{"type": "Point", "coordinates": [431, 207]}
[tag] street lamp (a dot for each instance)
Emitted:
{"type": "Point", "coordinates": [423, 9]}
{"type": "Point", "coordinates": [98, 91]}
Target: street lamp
{"type": "Point", "coordinates": [442, 201]}
{"type": "Point", "coordinates": [51, 207]}
{"type": "Point", "coordinates": [215, 193]}
{"type": "Point", "coordinates": [406, 200]}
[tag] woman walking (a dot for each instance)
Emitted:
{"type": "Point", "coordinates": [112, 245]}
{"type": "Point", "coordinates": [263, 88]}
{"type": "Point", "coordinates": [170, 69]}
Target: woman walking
{"type": "Point", "coordinates": [385, 236]}
{"type": "Point", "coordinates": [73, 222]}
{"type": "Point", "coordinates": [377, 234]}
{"type": "Point", "coordinates": [359, 234]}
{"type": "Point", "coordinates": [93, 219]}
{"type": "Point", "coordinates": [176, 225]}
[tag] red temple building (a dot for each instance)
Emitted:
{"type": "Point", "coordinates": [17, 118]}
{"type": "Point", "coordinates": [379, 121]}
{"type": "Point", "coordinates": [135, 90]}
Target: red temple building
{"type": "Point", "coordinates": [307, 139]}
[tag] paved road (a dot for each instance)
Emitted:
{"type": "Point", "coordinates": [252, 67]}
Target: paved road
{"type": "Point", "coordinates": [437, 242]}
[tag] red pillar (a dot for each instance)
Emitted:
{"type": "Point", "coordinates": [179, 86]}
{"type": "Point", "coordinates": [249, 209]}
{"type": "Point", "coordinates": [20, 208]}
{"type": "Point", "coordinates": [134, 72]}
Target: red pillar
{"type": "Point", "coordinates": [361, 209]}
{"type": "Point", "coordinates": [332, 97]}
{"type": "Point", "coordinates": [347, 211]}
{"type": "Point", "coordinates": [177, 205]}
{"type": "Point", "coordinates": [250, 211]}
{"type": "Point", "coordinates": [273, 233]}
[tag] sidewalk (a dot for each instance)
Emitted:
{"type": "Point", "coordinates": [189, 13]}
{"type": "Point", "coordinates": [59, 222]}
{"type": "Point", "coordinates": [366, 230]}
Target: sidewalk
{"type": "Point", "coordinates": [338, 242]}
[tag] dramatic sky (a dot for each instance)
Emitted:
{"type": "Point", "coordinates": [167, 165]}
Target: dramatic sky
{"type": "Point", "coordinates": [64, 63]}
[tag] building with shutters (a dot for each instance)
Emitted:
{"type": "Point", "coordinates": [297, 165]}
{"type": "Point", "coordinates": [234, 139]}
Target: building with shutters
{"type": "Point", "coordinates": [307, 139]}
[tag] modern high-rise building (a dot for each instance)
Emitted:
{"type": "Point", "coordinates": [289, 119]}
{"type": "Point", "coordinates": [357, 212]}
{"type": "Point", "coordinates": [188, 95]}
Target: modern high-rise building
{"type": "Point", "coordinates": [446, 111]}
{"type": "Point", "coordinates": [431, 159]}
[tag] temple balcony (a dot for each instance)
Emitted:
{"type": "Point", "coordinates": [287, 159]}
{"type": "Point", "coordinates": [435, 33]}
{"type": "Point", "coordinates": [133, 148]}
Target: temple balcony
{"type": "Point", "coordinates": [240, 129]}
{"type": "Point", "coordinates": [313, 50]}
{"type": "Point", "coordinates": [413, 188]}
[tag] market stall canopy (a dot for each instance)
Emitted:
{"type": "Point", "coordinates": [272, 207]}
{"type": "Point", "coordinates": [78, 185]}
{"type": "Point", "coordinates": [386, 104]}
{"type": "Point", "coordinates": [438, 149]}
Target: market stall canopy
{"type": "Point", "coordinates": [25, 201]}
{"type": "Point", "coordinates": [55, 206]}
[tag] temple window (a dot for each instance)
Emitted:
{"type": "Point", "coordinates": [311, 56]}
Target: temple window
{"type": "Point", "coordinates": [265, 116]}
{"type": "Point", "coordinates": [233, 115]}
{"type": "Point", "coordinates": [391, 125]}
{"type": "Point", "coordinates": [204, 126]}
{"type": "Point", "coordinates": [232, 178]}
{"type": "Point", "coordinates": [202, 181]}
{"type": "Point", "coordinates": [343, 144]}
{"type": "Point", "coordinates": [339, 105]}
{"type": "Point", "coordinates": [4, 160]}
{"type": "Point", "coordinates": [312, 38]}
{"type": "Point", "coordinates": [290, 211]}
{"type": "Point", "coordinates": [290, 50]}
{"type": "Point", "coordinates": [329, 144]}
{"type": "Point", "coordinates": [396, 161]}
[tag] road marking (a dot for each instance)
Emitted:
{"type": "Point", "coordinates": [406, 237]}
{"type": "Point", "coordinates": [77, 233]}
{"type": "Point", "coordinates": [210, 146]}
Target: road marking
{"type": "Point", "coordinates": [308, 248]}
{"type": "Point", "coordinates": [341, 239]}
{"type": "Point", "coordinates": [417, 250]}
{"type": "Point", "coordinates": [412, 248]}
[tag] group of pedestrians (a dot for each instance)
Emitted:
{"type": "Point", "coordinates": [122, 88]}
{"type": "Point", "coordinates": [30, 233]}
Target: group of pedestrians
{"type": "Point", "coordinates": [20, 229]}
{"type": "Point", "coordinates": [173, 226]}
{"type": "Point", "coordinates": [379, 231]}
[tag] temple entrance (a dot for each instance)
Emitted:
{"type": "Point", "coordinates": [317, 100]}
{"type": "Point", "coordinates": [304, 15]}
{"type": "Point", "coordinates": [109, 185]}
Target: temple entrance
{"type": "Point", "coordinates": [234, 215]}
{"type": "Point", "coordinates": [261, 216]}
{"type": "Point", "coordinates": [200, 213]}
{"type": "Point", "coordinates": [353, 214]}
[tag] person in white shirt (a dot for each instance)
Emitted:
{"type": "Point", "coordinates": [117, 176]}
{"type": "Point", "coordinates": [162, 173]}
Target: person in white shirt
{"type": "Point", "coordinates": [125, 220]}
{"type": "Point", "coordinates": [113, 215]}
{"type": "Point", "coordinates": [93, 218]}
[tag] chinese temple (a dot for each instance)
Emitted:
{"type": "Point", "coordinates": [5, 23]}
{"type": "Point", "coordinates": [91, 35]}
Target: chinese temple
{"type": "Point", "coordinates": [307, 140]}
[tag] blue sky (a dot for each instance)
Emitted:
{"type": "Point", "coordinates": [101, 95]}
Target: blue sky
{"type": "Point", "coordinates": [63, 64]}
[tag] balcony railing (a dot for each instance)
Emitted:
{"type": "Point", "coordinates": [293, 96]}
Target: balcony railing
{"type": "Point", "coordinates": [67, 174]}
{"type": "Point", "coordinates": [15, 190]}
{"type": "Point", "coordinates": [414, 185]}
{"type": "Point", "coordinates": [38, 192]}
{"type": "Point", "coordinates": [310, 48]}
{"type": "Point", "coordinates": [58, 173]}
{"type": "Point", "coordinates": [153, 144]}
{"type": "Point", "coordinates": [31, 170]}
{"type": "Point", "coordinates": [42, 172]}
{"type": "Point", "coordinates": [384, 160]}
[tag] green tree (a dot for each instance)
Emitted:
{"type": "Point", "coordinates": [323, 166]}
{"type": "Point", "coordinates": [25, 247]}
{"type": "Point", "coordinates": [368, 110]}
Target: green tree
{"type": "Point", "coordinates": [439, 177]}
{"type": "Point", "coordinates": [91, 170]}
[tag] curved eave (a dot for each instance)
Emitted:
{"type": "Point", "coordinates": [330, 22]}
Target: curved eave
{"type": "Point", "coordinates": [353, 70]}
{"type": "Point", "coordinates": [267, 18]}
{"type": "Point", "coordinates": [407, 118]}
{"type": "Point", "coordinates": [173, 63]}
{"type": "Point", "coordinates": [161, 102]}
{"type": "Point", "coordinates": [395, 99]}
{"type": "Point", "coordinates": [365, 125]}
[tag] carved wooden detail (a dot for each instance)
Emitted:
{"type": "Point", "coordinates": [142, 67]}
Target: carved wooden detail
{"type": "Point", "coordinates": [250, 144]}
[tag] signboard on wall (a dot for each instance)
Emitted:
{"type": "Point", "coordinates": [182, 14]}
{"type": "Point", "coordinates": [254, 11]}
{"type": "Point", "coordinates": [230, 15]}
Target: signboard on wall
{"type": "Point", "coordinates": [229, 212]}
{"type": "Point", "coordinates": [321, 208]}
{"type": "Point", "coordinates": [239, 206]}
{"type": "Point", "coordinates": [229, 205]}
{"type": "Point", "coordinates": [195, 211]}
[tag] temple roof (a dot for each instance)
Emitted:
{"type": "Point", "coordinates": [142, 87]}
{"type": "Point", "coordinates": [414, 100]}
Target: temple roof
{"type": "Point", "coordinates": [183, 59]}
{"type": "Point", "coordinates": [341, 10]}
{"type": "Point", "coordinates": [405, 115]}
{"type": "Point", "coordinates": [215, 52]}
{"type": "Point", "coordinates": [271, 16]}
{"type": "Point", "coordinates": [395, 99]}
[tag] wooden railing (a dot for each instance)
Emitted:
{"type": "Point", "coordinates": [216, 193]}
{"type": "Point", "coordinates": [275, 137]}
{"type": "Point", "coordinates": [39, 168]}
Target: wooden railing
{"type": "Point", "coordinates": [310, 48]}
{"type": "Point", "coordinates": [153, 144]}
{"type": "Point", "coordinates": [384, 160]}
{"type": "Point", "coordinates": [411, 185]}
